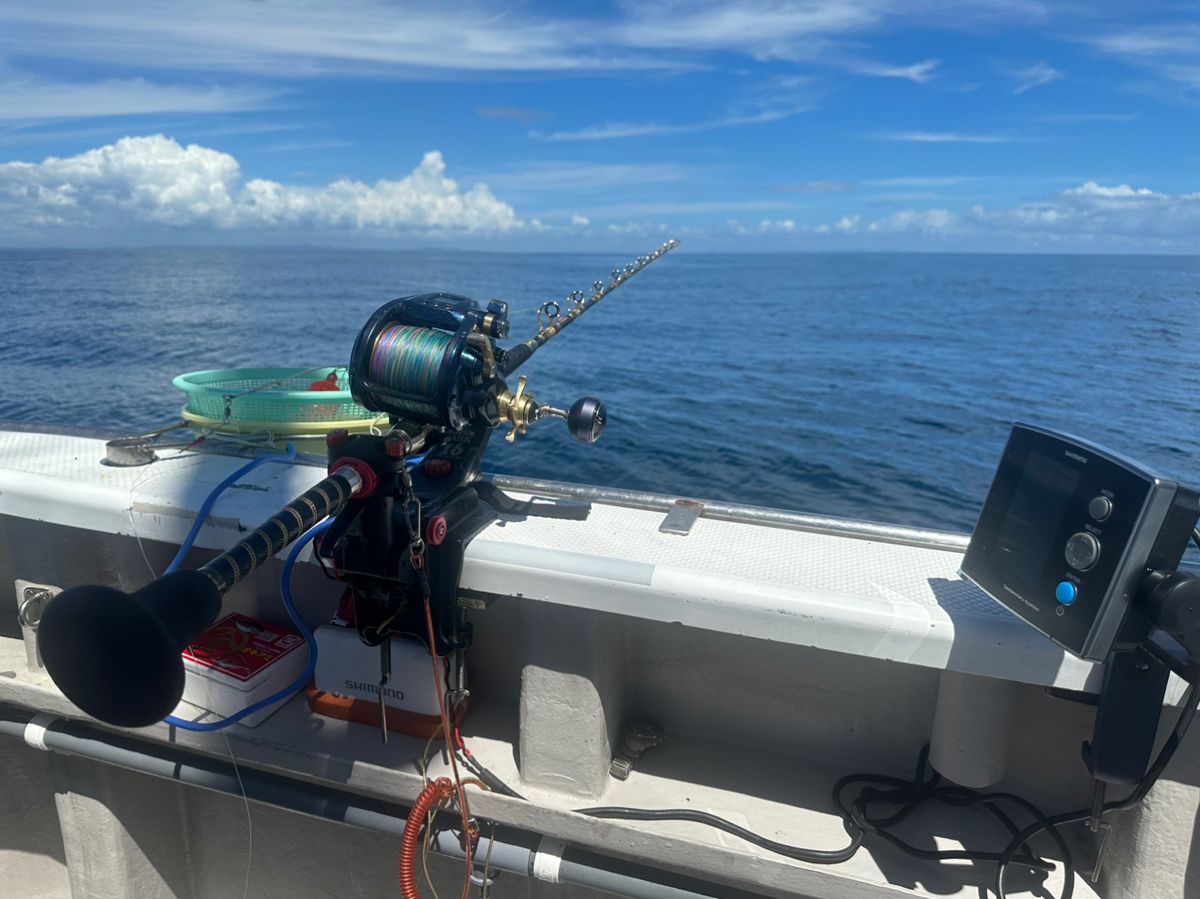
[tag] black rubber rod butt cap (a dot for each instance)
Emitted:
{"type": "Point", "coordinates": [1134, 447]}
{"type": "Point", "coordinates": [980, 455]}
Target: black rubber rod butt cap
{"type": "Point", "coordinates": [1172, 601]}
{"type": "Point", "coordinates": [116, 654]}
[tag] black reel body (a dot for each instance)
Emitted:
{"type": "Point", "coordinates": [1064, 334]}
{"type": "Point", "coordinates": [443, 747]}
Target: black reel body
{"type": "Point", "coordinates": [432, 505]}
{"type": "Point", "coordinates": [430, 359]}
{"type": "Point", "coordinates": [430, 362]}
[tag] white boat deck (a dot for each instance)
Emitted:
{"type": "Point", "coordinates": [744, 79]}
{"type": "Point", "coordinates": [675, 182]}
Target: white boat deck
{"type": "Point", "coordinates": [861, 598]}
{"type": "Point", "coordinates": [850, 595]}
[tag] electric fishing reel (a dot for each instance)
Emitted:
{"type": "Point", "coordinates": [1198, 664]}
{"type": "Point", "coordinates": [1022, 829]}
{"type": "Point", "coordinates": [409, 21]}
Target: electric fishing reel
{"type": "Point", "coordinates": [403, 505]}
{"type": "Point", "coordinates": [432, 364]}
{"type": "Point", "coordinates": [432, 361]}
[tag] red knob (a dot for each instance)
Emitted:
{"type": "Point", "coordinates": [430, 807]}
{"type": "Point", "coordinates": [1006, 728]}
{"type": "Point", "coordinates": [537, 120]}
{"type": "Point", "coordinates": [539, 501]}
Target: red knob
{"type": "Point", "coordinates": [395, 446]}
{"type": "Point", "coordinates": [437, 468]}
{"type": "Point", "coordinates": [337, 437]}
{"type": "Point", "coordinates": [435, 530]}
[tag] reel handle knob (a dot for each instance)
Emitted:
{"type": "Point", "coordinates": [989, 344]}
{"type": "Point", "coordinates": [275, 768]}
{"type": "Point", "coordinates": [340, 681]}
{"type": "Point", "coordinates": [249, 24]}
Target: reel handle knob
{"type": "Point", "coordinates": [586, 419]}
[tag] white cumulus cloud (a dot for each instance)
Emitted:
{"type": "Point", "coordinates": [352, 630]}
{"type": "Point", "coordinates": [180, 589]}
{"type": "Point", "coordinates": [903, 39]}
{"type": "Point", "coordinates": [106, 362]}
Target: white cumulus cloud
{"type": "Point", "coordinates": [1091, 215]}
{"type": "Point", "coordinates": [156, 181]}
{"type": "Point", "coordinates": [766, 226]}
{"type": "Point", "coordinates": [929, 221]}
{"type": "Point", "coordinates": [1120, 214]}
{"type": "Point", "coordinates": [1120, 192]}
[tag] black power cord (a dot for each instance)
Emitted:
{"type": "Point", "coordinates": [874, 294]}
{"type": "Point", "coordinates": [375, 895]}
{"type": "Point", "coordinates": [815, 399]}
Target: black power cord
{"type": "Point", "coordinates": [813, 856]}
{"type": "Point", "coordinates": [906, 796]}
{"type": "Point", "coordinates": [1155, 771]}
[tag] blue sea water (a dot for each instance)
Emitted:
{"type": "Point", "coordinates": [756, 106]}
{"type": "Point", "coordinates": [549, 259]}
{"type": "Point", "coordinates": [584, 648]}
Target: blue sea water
{"type": "Point", "coordinates": [869, 386]}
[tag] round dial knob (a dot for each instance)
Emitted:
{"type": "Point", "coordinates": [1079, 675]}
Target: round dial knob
{"type": "Point", "coordinates": [585, 419]}
{"type": "Point", "coordinates": [1100, 508]}
{"type": "Point", "coordinates": [1082, 551]}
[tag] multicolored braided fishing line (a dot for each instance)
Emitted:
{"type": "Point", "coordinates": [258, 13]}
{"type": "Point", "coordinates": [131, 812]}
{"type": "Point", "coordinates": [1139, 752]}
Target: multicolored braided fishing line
{"type": "Point", "coordinates": [408, 359]}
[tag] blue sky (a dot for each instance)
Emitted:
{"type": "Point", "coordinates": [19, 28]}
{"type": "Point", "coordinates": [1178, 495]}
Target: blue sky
{"type": "Point", "coordinates": [811, 125]}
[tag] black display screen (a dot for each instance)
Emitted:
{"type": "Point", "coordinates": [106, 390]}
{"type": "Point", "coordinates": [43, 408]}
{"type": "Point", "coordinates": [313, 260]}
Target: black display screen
{"type": "Point", "coordinates": [1034, 518]}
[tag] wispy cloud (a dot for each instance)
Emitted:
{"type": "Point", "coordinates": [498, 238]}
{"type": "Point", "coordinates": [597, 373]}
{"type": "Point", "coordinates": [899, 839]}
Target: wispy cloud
{"type": "Point", "coordinates": [304, 146]}
{"type": "Point", "coordinates": [918, 72]}
{"type": "Point", "coordinates": [1170, 51]}
{"type": "Point", "coordinates": [401, 40]}
{"type": "Point", "coordinates": [682, 207]}
{"type": "Point", "coordinates": [36, 99]}
{"type": "Point", "coordinates": [510, 113]}
{"type": "Point", "coordinates": [923, 181]}
{"type": "Point", "coordinates": [583, 177]}
{"type": "Point", "coordinates": [759, 27]}
{"type": "Point", "coordinates": [830, 186]}
{"type": "Point", "coordinates": [786, 30]}
{"type": "Point", "coordinates": [1082, 118]}
{"type": "Point", "coordinates": [356, 37]}
{"type": "Point", "coordinates": [1036, 75]}
{"type": "Point", "coordinates": [946, 137]}
{"type": "Point", "coordinates": [1151, 41]}
{"type": "Point", "coordinates": [899, 196]}
{"type": "Point", "coordinates": [617, 130]}
{"type": "Point", "coordinates": [819, 186]}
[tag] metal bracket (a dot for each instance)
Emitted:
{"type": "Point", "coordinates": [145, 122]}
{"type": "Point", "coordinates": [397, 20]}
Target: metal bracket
{"type": "Point", "coordinates": [1088, 847]}
{"type": "Point", "coordinates": [31, 601]}
{"type": "Point", "coordinates": [125, 452]}
{"type": "Point", "coordinates": [639, 736]}
{"type": "Point", "coordinates": [681, 516]}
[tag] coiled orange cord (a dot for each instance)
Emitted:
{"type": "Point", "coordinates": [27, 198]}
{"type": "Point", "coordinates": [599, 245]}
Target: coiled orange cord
{"type": "Point", "coordinates": [433, 797]}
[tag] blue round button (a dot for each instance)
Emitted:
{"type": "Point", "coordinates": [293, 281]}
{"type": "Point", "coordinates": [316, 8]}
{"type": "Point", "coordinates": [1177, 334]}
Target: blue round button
{"type": "Point", "coordinates": [1065, 592]}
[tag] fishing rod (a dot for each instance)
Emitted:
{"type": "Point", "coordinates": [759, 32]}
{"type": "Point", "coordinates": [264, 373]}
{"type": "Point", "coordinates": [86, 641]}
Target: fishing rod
{"type": "Point", "coordinates": [555, 321]}
{"type": "Point", "coordinates": [402, 506]}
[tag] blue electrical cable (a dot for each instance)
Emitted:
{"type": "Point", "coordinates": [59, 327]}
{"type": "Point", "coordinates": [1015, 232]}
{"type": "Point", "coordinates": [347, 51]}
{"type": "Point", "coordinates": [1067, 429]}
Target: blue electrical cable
{"type": "Point", "coordinates": [285, 589]}
{"type": "Point", "coordinates": [202, 516]}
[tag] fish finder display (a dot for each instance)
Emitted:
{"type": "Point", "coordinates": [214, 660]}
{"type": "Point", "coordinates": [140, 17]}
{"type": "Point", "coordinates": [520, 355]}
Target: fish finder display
{"type": "Point", "coordinates": [1067, 533]}
{"type": "Point", "coordinates": [1035, 516]}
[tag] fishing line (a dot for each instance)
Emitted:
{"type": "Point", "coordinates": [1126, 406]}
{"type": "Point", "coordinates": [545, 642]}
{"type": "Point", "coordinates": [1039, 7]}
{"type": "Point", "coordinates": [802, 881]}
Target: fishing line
{"type": "Point", "coordinates": [408, 359]}
{"type": "Point", "coordinates": [146, 477]}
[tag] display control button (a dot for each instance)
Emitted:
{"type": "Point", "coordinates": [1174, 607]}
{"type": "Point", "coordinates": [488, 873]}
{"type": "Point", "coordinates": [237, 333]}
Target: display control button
{"type": "Point", "coordinates": [1066, 592]}
{"type": "Point", "coordinates": [1082, 551]}
{"type": "Point", "coordinates": [1100, 508]}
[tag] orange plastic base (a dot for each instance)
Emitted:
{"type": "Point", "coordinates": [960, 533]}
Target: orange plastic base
{"type": "Point", "coordinates": [362, 711]}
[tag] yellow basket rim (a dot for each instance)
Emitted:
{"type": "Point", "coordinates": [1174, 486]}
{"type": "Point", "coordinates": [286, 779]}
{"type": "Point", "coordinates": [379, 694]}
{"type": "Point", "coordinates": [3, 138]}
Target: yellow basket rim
{"type": "Point", "coordinates": [282, 428]}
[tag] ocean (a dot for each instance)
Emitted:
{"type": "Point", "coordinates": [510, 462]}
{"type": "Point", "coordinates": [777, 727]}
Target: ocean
{"type": "Point", "coordinates": [871, 386]}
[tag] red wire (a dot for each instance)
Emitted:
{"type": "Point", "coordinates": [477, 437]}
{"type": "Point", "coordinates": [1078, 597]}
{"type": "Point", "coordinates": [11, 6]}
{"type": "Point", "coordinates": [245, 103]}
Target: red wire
{"type": "Point", "coordinates": [461, 745]}
{"type": "Point", "coordinates": [447, 731]}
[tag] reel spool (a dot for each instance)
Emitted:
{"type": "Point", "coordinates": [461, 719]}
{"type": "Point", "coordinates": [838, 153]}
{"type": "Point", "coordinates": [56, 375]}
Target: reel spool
{"type": "Point", "coordinates": [430, 359]}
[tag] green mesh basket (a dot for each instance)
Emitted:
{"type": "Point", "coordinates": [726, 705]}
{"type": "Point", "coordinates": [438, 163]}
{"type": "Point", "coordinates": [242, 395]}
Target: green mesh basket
{"type": "Point", "coordinates": [271, 399]}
